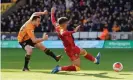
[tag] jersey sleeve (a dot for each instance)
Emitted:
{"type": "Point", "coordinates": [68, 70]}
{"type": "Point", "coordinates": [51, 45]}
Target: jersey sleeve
{"type": "Point", "coordinates": [53, 20]}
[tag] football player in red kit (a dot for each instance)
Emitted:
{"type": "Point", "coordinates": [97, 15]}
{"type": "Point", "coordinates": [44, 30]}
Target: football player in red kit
{"type": "Point", "coordinates": [70, 48]}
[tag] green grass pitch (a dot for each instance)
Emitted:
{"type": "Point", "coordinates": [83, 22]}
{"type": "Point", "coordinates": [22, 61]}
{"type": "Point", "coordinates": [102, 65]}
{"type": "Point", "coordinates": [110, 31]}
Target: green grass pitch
{"type": "Point", "coordinates": [12, 61]}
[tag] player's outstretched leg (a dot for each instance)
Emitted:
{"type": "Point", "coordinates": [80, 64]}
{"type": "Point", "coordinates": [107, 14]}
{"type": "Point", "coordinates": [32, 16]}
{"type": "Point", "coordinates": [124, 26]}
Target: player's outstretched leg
{"type": "Point", "coordinates": [88, 56]}
{"type": "Point", "coordinates": [74, 67]}
{"type": "Point", "coordinates": [48, 51]}
{"type": "Point", "coordinates": [27, 57]}
{"type": "Point", "coordinates": [65, 68]}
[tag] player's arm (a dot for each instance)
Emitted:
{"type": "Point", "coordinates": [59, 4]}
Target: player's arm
{"type": "Point", "coordinates": [77, 28]}
{"type": "Point", "coordinates": [52, 16]}
{"type": "Point", "coordinates": [34, 39]}
{"type": "Point", "coordinates": [40, 13]}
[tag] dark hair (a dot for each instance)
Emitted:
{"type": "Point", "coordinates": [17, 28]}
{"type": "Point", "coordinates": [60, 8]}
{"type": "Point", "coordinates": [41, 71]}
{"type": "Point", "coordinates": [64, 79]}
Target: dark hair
{"type": "Point", "coordinates": [62, 20]}
{"type": "Point", "coordinates": [35, 17]}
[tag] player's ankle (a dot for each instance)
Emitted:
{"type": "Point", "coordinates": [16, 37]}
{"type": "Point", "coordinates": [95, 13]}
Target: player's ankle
{"type": "Point", "coordinates": [26, 67]}
{"type": "Point", "coordinates": [59, 68]}
{"type": "Point", "coordinates": [95, 61]}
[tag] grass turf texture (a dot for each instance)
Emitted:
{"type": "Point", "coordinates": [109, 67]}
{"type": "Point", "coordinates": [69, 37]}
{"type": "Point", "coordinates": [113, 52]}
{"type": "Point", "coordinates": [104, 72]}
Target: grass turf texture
{"type": "Point", "coordinates": [41, 65]}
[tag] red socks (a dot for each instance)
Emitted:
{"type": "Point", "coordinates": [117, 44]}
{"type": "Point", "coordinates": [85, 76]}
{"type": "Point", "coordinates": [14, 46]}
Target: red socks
{"type": "Point", "coordinates": [89, 57]}
{"type": "Point", "coordinates": [69, 68]}
{"type": "Point", "coordinates": [76, 68]}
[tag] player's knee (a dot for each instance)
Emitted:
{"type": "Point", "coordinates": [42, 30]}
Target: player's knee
{"type": "Point", "coordinates": [29, 51]}
{"type": "Point", "coordinates": [83, 52]}
{"type": "Point", "coordinates": [77, 68]}
{"type": "Point", "coordinates": [40, 46]}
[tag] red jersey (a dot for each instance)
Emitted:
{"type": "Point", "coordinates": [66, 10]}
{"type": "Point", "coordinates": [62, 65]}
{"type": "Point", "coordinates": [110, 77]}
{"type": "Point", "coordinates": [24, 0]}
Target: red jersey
{"type": "Point", "coordinates": [66, 37]}
{"type": "Point", "coordinates": [68, 41]}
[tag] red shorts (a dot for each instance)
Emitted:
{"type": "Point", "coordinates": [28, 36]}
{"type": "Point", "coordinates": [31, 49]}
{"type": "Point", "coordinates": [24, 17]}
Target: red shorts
{"type": "Point", "coordinates": [73, 52]}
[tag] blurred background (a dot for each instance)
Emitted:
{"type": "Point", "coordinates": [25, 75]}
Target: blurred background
{"type": "Point", "coordinates": [92, 15]}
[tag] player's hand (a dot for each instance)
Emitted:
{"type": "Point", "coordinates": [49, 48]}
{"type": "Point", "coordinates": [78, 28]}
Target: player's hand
{"type": "Point", "coordinates": [45, 36]}
{"type": "Point", "coordinates": [77, 28]}
{"type": "Point", "coordinates": [45, 12]}
{"type": "Point", "coordinates": [53, 9]}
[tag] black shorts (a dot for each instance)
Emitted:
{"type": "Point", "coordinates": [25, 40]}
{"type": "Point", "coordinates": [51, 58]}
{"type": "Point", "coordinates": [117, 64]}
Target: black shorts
{"type": "Point", "coordinates": [27, 42]}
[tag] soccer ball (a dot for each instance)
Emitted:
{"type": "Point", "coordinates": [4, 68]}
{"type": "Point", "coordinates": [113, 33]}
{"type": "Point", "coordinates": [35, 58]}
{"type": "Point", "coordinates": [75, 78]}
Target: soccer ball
{"type": "Point", "coordinates": [117, 66]}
